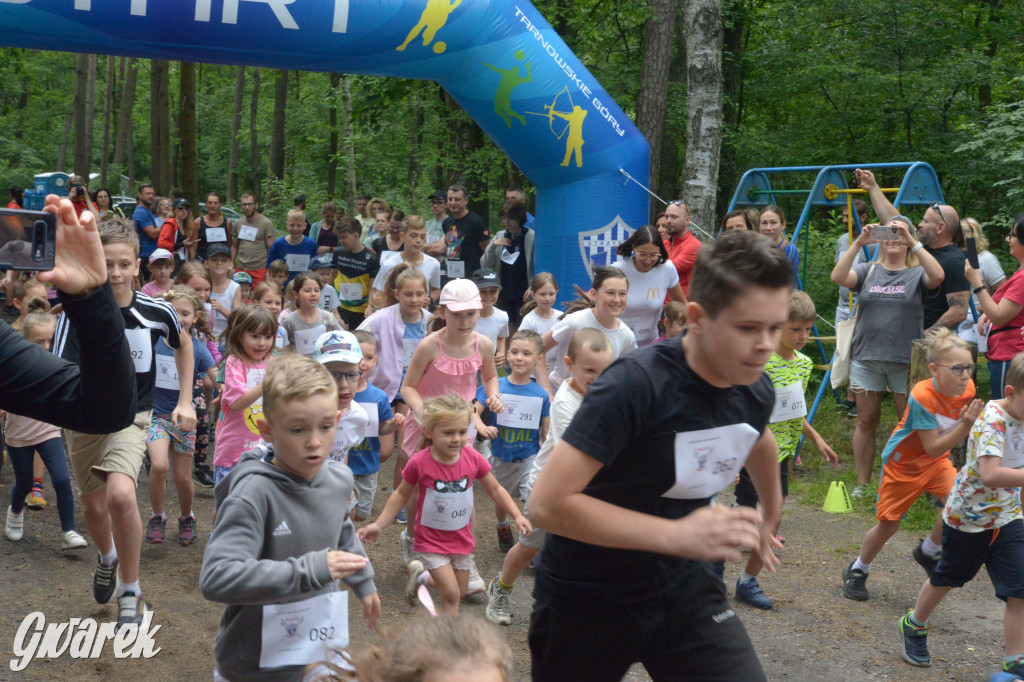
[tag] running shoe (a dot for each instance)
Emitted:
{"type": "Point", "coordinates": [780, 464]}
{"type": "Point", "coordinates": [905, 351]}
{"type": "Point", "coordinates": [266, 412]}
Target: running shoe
{"type": "Point", "coordinates": [35, 499]}
{"type": "Point", "coordinates": [928, 563]}
{"type": "Point", "coordinates": [72, 540]}
{"type": "Point", "coordinates": [186, 530]}
{"type": "Point", "coordinates": [476, 583]}
{"type": "Point", "coordinates": [412, 586]}
{"type": "Point", "coordinates": [1015, 668]}
{"type": "Point", "coordinates": [104, 582]}
{"type": "Point", "coordinates": [203, 476]}
{"type": "Point", "coordinates": [855, 583]}
{"type": "Point", "coordinates": [130, 610]}
{"type": "Point", "coordinates": [408, 544]}
{"type": "Point", "coordinates": [505, 539]}
{"type": "Point", "coordinates": [157, 532]}
{"type": "Point", "coordinates": [751, 593]}
{"type": "Point", "coordinates": [14, 528]}
{"type": "Point", "coordinates": [499, 604]}
{"type": "Point", "coordinates": [401, 518]}
{"type": "Point", "coordinates": [915, 642]}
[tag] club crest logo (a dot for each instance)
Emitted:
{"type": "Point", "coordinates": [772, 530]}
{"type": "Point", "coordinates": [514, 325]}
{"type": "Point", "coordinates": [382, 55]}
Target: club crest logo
{"type": "Point", "coordinates": [702, 454]}
{"type": "Point", "coordinates": [291, 626]}
{"type": "Point", "coordinates": [440, 505]}
{"type": "Point", "coordinates": [783, 400]}
{"type": "Point", "coordinates": [597, 247]}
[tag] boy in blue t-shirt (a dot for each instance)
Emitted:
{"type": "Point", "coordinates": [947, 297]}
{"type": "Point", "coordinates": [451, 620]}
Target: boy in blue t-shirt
{"type": "Point", "coordinates": [295, 249]}
{"type": "Point", "coordinates": [365, 458]}
{"type": "Point", "coordinates": [514, 447]}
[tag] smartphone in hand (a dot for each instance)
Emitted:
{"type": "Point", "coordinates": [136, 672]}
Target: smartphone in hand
{"type": "Point", "coordinates": [972, 253]}
{"type": "Point", "coordinates": [28, 239]}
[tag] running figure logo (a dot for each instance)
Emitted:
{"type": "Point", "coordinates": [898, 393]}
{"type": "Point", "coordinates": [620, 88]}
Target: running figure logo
{"type": "Point", "coordinates": [573, 125]}
{"type": "Point", "coordinates": [433, 19]}
{"type": "Point", "coordinates": [510, 79]}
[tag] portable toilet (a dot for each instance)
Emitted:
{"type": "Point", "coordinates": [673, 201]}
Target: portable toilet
{"type": "Point", "coordinates": [52, 183]}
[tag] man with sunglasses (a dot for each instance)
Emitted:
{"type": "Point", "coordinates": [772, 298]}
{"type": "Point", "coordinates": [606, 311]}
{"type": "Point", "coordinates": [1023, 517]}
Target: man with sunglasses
{"type": "Point", "coordinates": [937, 231]}
{"type": "Point", "coordinates": [253, 236]}
{"type": "Point", "coordinates": [682, 246]}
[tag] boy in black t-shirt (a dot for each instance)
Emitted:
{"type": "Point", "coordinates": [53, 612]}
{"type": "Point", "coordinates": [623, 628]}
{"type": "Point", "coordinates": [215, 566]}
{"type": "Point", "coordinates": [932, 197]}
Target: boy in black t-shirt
{"type": "Point", "coordinates": [624, 576]}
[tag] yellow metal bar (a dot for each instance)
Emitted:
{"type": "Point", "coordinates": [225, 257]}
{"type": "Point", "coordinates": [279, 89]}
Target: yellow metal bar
{"type": "Point", "coordinates": [887, 190]}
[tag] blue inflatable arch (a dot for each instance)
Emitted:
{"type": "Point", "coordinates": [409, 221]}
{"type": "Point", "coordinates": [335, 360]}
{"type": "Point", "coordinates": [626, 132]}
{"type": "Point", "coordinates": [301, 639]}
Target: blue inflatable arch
{"type": "Point", "coordinates": [499, 59]}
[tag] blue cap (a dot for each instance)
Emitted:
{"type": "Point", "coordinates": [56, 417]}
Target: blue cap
{"type": "Point", "coordinates": [321, 261]}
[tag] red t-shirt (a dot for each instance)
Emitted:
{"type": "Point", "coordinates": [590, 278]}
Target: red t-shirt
{"type": "Point", "coordinates": [682, 251]}
{"type": "Point", "coordinates": [13, 204]}
{"type": "Point", "coordinates": [1005, 344]}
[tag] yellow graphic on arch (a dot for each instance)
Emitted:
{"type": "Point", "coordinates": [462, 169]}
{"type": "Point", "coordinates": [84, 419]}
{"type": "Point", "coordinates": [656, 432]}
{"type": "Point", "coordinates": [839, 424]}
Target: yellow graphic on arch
{"type": "Point", "coordinates": [573, 125]}
{"type": "Point", "coordinates": [434, 17]}
{"type": "Point", "coordinates": [510, 80]}
{"type": "Point", "coordinates": [251, 414]}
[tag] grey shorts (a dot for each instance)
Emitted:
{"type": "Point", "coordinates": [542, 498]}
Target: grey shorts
{"type": "Point", "coordinates": [363, 492]}
{"type": "Point", "coordinates": [536, 538]}
{"type": "Point", "coordinates": [876, 375]}
{"type": "Point", "coordinates": [514, 476]}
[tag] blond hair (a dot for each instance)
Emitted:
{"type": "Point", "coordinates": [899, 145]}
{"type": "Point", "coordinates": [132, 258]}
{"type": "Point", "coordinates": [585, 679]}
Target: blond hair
{"type": "Point", "coordinates": [116, 230]}
{"type": "Point", "coordinates": [297, 214]}
{"type": "Point", "coordinates": [942, 341]}
{"type": "Point", "coordinates": [37, 312]}
{"type": "Point", "coordinates": [592, 339]}
{"type": "Point", "coordinates": [980, 240]}
{"type": "Point", "coordinates": [444, 408]}
{"type": "Point", "coordinates": [293, 377]}
{"type": "Point", "coordinates": [413, 222]}
{"type": "Point", "coordinates": [1015, 373]}
{"type": "Point", "coordinates": [801, 307]}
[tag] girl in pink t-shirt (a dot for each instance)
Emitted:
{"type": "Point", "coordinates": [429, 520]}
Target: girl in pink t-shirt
{"type": "Point", "coordinates": [248, 342]}
{"type": "Point", "coordinates": [443, 474]}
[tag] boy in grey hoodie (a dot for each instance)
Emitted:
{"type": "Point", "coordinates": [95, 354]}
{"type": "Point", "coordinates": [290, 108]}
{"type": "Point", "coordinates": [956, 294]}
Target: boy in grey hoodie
{"type": "Point", "coordinates": [283, 537]}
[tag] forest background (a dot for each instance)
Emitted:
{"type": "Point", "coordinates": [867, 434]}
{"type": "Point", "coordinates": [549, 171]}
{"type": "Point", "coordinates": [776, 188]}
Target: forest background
{"type": "Point", "coordinates": [803, 82]}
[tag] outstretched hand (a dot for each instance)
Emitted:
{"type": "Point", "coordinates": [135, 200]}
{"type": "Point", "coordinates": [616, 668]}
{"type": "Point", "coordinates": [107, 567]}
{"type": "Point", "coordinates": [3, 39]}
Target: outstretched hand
{"type": "Point", "coordinates": [79, 264]}
{"type": "Point", "coordinates": [865, 179]}
{"type": "Point", "coordinates": [970, 413]}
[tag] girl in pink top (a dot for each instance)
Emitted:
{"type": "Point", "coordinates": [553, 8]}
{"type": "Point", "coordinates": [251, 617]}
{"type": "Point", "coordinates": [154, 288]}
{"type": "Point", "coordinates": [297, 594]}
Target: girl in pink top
{"type": "Point", "coordinates": [443, 475]}
{"type": "Point", "coordinates": [248, 342]}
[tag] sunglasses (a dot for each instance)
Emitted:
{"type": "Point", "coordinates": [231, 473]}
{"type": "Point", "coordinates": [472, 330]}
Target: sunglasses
{"type": "Point", "coordinates": [938, 209]}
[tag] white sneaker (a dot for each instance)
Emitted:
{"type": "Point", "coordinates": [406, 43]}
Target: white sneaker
{"type": "Point", "coordinates": [14, 528]}
{"type": "Point", "coordinates": [476, 583]}
{"type": "Point", "coordinates": [858, 491]}
{"type": "Point", "coordinates": [408, 553]}
{"type": "Point", "coordinates": [72, 540]}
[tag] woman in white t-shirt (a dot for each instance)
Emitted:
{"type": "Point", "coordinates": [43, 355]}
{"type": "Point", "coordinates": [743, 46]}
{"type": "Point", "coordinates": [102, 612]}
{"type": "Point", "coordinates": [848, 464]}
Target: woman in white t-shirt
{"type": "Point", "coordinates": [652, 277]}
{"type": "Point", "coordinates": [992, 275]}
{"type": "Point", "coordinates": [598, 309]}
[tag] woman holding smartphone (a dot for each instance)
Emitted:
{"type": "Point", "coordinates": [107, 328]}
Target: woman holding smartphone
{"type": "Point", "coordinates": [890, 315]}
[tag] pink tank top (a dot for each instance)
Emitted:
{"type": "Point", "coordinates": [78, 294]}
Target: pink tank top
{"type": "Point", "coordinates": [445, 375]}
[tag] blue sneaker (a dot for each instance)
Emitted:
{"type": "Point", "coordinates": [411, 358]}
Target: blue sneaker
{"type": "Point", "coordinates": [751, 593]}
{"type": "Point", "coordinates": [915, 642]}
{"type": "Point", "coordinates": [401, 516]}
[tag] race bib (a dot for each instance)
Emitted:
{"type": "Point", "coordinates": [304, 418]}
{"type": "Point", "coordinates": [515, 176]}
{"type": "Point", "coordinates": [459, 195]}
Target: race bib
{"type": "Point", "coordinates": [303, 632]}
{"type": "Point", "coordinates": [166, 372]}
{"type": "Point", "coordinates": [456, 269]}
{"type": "Point", "coordinates": [708, 460]}
{"type": "Point", "coordinates": [373, 427]}
{"type": "Point", "coordinates": [408, 348]}
{"type": "Point", "coordinates": [305, 338]}
{"type": "Point", "coordinates": [789, 403]}
{"type": "Point", "coordinates": [509, 257]}
{"type": "Point", "coordinates": [216, 234]}
{"type": "Point", "coordinates": [282, 337]}
{"type": "Point", "coordinates": [521, 412]}
{"type": "Point", "coordinates": [248, 233]}
{"type": "Point", "coordinates": [1013, 448]}
{"type": "Point", "coordinates": [945, 424]}
{"type": "Point", "coordinates": [141, 344]}
{"type": "Point", "coordinates": [297, 262]}
{"type": "Point", "coordinates": [351, 291]}
{"type": "Point", "coordinates": [448, 510]}
{"type": "Point", "coordinates": [253, 378]}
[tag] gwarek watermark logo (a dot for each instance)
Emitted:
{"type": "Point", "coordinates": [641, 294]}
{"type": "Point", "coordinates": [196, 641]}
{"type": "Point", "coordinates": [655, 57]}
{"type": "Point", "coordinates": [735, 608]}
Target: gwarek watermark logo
{"type": "Point", "coordinates": [80, 638]}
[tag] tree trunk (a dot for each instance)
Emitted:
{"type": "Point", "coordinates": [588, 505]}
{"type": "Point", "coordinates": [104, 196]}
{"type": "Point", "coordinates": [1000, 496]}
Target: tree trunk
{"type": "Point", "coordinates": [81, 139]}
{"type": "Point", "coordinates": [160, 125]}
{"type": "Point", "coordinates": [108, 108]}
{"type": "Point", "coordinates": [123, 138]}
{"type": "Point", "coordinates": [189, 158]}
{"type": "Point", "coordinates": [254, 143]}
{"type": "Point", "coordinates": [415, 140]}
{"type": "Point", "coordinates": [90, 114]}
{"type": "Point", "coordinates": [236, 125]}
{"type": "Point", "coordinates": [703, 38]}
{"type": "Point", "coordinates": [733, 76]}
{"type": "Point", "coordinates": [653, 96]}
{"type": "Point", "coordinates": [277, 138]}
{"type": "Point", "coordinates": [350, 147]}
{"type": "Point", "coordinates": [332, 140]}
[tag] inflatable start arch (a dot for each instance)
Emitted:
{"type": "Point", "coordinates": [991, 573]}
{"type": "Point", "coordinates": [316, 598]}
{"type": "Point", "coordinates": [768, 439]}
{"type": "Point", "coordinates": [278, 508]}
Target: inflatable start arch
{"type": "Point", "coordinates": [499, 59]}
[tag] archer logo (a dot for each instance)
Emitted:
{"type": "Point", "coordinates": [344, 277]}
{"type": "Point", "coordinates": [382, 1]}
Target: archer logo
{"type": "Point", "coordinates": [598, 246]}
{"type": "Point", "coordinates": [80, 638]}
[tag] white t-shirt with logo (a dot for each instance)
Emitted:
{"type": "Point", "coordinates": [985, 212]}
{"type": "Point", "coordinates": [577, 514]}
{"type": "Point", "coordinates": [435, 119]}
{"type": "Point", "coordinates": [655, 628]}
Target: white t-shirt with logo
{"type": "Point", "coordinates": [647, 292]}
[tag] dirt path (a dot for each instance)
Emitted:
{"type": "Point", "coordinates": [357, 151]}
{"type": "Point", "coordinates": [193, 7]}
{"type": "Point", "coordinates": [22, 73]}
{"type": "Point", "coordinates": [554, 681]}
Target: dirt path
{"type": "Point", "coordinates": [814, 633]}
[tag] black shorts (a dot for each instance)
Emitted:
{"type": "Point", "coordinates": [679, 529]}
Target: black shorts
{"type": "Point", "coordinates": [1001, 551]}
{"type": "Point", "coordinates": [746, 496]}
{"type": "Point", "coordinates": [686, 632]}
{"type": "Point", "coordinates": [351, 319]}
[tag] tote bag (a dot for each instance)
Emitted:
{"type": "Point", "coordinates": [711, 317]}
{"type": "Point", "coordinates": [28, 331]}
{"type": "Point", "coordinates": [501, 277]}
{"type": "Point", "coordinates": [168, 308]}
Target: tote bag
{"type": "Point", "coordinates": [844, 343]}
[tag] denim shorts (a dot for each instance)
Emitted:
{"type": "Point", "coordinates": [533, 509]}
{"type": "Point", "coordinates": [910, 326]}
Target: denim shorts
{"type": "Point", "coordinates": [220, 473]}
{"type": "Point", "coordinates": [876, 375]}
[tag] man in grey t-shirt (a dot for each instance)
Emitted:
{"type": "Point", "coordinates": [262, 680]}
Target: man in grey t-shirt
{"type": "Point", "coordinates": [253, 237]}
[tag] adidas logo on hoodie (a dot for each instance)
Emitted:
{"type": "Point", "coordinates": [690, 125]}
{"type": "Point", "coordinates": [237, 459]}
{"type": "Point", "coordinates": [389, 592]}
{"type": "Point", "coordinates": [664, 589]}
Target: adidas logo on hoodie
{"type": "Point", "coordinates": [283, 529]}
